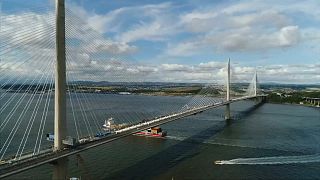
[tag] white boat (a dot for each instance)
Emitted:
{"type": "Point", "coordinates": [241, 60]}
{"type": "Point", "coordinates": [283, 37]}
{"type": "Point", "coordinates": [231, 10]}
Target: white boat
{"type": "Point", "coordinates": [107, 124]}
{"type": "Point", "coordinates": [111, 127]}
{"type": "Point", "coordinates": [218, 162]}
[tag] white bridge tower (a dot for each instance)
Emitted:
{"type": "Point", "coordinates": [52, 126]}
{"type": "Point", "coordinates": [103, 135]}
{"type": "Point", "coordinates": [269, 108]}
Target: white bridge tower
{"type": "Point", "coordinates": [60, 123]}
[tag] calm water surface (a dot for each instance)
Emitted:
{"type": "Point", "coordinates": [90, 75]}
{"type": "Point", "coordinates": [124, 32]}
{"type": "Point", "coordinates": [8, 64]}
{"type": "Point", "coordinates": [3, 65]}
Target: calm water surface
{"type": "Point", "coordinates": [266, 142]}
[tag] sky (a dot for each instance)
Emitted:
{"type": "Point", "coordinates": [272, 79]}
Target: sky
{"type": "Point", "coordinates": [189, 40]}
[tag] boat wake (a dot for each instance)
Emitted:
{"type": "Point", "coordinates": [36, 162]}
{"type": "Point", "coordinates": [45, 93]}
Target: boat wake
{"type": "Point", "coordinates": [273, 160]}
{"type": "Point", "coordinates": [176, 138]}
{"type": "Point", "coordinates": [315, 158]}
{"type": "Point", "coordinates": [210, 142]}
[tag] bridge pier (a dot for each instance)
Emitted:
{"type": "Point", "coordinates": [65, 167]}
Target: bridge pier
{"type": "Point", "coordinates": [227, 115]}
{"type": "Point", "coordinates": [312, 101]}
{"type": "Point", "coordinates": [60, 167]}
{"type": "Point", "coordinates": [260, 99]}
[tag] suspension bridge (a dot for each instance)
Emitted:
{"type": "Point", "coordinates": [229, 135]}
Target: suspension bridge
{"type": "Point", "coordinates": [27, 99]}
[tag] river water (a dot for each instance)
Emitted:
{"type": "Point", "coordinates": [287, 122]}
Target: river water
{"type": "Point", "coordinates": [267, 142]}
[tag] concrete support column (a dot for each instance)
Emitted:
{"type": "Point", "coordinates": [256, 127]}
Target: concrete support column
{"type": "Point", "coordinates": [60, 168]}
{"type": "Point", "coordinates": [227, 115]}
{"type": "Point", "coordinates": [60, 78]}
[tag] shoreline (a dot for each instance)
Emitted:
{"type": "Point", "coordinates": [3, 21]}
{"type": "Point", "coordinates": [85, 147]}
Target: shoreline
{"type": "Point", "coordinates": [303, 105]}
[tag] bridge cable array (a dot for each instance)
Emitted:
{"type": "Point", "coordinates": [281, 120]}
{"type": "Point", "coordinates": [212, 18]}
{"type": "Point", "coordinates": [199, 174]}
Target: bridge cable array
{"type": "Point", "coordinates": [27, 55]}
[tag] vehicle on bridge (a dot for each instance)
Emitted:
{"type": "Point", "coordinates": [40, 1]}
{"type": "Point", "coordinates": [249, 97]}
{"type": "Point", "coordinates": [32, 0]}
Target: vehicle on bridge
{"type": "Point", "coordinates": [102, 134]}
{"type": "Point", "coordinates": [70, 141]}
{"type": "Point", "coordinates": [50, 137]}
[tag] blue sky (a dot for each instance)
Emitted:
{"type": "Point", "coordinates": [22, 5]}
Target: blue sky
{"type": "Point", "coordinates": [277, 37]}
{"type": "Point", "coordinates": [188, 31]}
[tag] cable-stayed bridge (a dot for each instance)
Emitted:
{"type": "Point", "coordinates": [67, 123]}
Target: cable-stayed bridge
{"type": "Point", "coordinates": [65, 42]}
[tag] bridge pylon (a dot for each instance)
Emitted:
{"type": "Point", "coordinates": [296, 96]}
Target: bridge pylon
{"type": "Point", "coordinates": [60, 124]}
{"type": "Point", "coordinates": [255, 83]}
{"type": "Point", "coordinates": [227, 115]}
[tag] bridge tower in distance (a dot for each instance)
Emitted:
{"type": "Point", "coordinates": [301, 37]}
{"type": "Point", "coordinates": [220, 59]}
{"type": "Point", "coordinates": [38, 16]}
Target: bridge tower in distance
{"type": "Point", "coordinates": [255, 83]}
{"type": "Point", "coordinates": [227, 115]}
{"type": "Point", "coordinates": [60, 123]}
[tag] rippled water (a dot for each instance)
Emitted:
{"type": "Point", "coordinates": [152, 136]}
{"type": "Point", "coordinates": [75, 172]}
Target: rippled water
{"type": "Point", "coordinates": [267, 142]}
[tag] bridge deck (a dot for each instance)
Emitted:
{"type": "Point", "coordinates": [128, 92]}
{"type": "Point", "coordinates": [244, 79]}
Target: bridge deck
{"type": "Point", "coordinates": [46, 156]}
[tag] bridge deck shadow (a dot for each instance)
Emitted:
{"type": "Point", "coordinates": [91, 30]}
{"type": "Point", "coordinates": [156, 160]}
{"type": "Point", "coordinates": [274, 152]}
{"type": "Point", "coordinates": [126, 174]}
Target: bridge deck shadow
{"type": "Point", "coordinates": [163, 161]}
{"type": "Point", "coordinates": [248, 111]}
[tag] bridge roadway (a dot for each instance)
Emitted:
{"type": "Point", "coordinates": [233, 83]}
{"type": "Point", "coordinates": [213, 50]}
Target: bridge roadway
{"type": "Point", "coordinates": [29, 161]}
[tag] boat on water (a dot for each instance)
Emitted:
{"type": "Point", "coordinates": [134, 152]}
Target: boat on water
{"type": "Point", "coordinates": [107, 124]}
{"type": "Point", "coordinates": [110, 126]}
{"type": "Point", "coordinates": [218, 162]}
{"type": "Point", "coordinates": [152, 132]}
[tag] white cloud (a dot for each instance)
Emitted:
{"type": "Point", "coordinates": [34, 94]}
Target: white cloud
{"type": "Point", "coordinates": [246, 26]}
{"type": "Point", "coordinates": [147, 69]}
{"type": "Point", "coordinates": [176, 67]}
{"type": "Point", "coordinates": [27, 29]}
{"type": "Point", "coordinates": [212, 65]}
{"type": "Point", "coordinates": [30, 37]}
{"type": "Point", "coordinates": [245, 39]}
{"type": "Point", "coordinates": [184, 48]}
{"type": "Point", "coordinates": [101, 45]}
{"type": "Point", "coordinates": [145, 22]}
{"type": "Point", "coordinates": [219, 20]}
{"type": "Point", "coordinates": [237, 28]}
{"type": "Point", "coordinates": [289, 36]}
{"type": "Point", "coordinates": [154, 31]}
{"type": "Point", "coordinates": [27, 44]}
{"type": "Point", "coordinates": [212, 72]}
